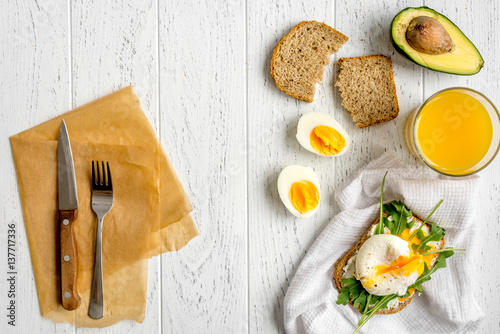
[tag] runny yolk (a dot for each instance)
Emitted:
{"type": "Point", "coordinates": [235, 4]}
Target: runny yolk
{"type": "Point", "coordinates": [403, 266]}
{"type": "Point", "coordinates": [405, 235]}
{"type": "Point", "coordinates": [326, 140]}
{"type": "Point", "coordinates": [304, 196]}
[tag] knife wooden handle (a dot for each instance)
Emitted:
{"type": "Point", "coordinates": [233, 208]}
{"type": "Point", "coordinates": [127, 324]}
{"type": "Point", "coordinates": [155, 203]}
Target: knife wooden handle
{"type": "Point", "coordinates": [69, 294]}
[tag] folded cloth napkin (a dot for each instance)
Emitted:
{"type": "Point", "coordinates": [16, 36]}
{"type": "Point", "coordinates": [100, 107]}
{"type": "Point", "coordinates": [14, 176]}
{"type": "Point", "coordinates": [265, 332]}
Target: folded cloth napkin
{"type": "Point", "coordinates": [151, 213]}
{"type": "Point", "coordinates": [447, 304]}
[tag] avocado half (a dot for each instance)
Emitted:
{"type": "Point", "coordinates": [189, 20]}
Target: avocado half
{"type": "Point", "coordinates": [463, 59]}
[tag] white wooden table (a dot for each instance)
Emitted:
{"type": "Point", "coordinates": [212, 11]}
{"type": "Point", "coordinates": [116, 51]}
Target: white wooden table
{"type": "Point", "coordinates": [201, 71]}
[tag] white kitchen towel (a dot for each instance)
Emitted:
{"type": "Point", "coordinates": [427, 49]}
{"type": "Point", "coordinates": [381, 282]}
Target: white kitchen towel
{"type": "Point", "coordinates": [447, 304]}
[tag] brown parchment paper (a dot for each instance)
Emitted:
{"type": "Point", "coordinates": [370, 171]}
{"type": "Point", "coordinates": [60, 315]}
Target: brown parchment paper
{"type": "Point", "coordinates": [150, 214]}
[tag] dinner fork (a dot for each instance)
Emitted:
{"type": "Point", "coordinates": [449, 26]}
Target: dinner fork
{"type": "Point", "coordinates": [102, 201]}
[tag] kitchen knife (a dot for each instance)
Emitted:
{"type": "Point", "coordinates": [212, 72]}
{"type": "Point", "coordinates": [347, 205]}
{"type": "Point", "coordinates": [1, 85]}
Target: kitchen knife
{"type": "Point", "coordinates": [68, 212]}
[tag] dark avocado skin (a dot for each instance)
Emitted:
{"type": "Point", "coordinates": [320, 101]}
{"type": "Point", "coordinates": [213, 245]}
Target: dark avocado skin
{"type": "Point", "coordinates": [399, 50]}
{"type": "Point", "coordinates": [402, 52]}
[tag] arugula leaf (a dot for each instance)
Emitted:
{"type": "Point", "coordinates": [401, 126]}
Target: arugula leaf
{"type": "Point", "coordinates": [353, 291]}
{"type": "Point", "coordinates": [442, 250]}
{"type": "Point", "coordinates": [392, 211]}
{"type": "Point", "coordinates": [407, 294]}
{"type": "Point", "coordinates": [381, 303]}
{"type": "Point", "coordinates": [425, 221]}
{"type": "Point", "coordinates": [435, 234]}
{"type": "Point", "coordinates": [420, 235]}
{"type": "Point", "coordinates": [426, 275]}
{"type": "Point", "coordinates": [350, 291]}
{"type": "Point", "coordinates": [361, 300]}
{"type": "Point", "coordinates": [406, 214]}
{"type": "Point", "coordinates": [390, 224]}
{"type": "Point", "coordinates": [400, 206]}
{"type": "Point", "coordinates": [380, 226]}
{"type": "Point", "coordinates": [400, 214]}
{"type": "Point", "coordinates": [420, 247]}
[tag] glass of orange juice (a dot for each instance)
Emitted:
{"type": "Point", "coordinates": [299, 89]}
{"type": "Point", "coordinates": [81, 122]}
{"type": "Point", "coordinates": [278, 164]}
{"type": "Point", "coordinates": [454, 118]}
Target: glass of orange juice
{"type": "Point", "coordinates": [455, 132]}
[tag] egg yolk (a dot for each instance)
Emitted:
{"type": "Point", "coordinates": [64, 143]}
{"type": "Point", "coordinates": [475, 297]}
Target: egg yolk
{"type": "Point", "coordinates": [403, 266]}
{"type": "Point", "coordinates": [405, 235]}
{"type": "Point", "coordinates": [304, 196]}
{"type": "Point", "coordinates": [326, 140]}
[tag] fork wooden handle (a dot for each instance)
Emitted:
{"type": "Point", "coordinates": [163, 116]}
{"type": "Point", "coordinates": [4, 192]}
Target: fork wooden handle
{"type": "Point", "coordinates": [69, 294]}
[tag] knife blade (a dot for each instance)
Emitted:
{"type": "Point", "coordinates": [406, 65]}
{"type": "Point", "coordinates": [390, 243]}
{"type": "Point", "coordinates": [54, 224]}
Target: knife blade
{"type": "Point", "coordinates": [68, 212]}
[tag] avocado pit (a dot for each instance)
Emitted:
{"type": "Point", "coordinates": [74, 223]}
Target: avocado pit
{"type": "Point", "coordinates": [427, 35]}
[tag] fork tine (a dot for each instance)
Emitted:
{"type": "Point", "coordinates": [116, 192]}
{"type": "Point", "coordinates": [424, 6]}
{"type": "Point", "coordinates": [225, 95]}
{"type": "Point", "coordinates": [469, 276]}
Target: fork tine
{"type": "Point", "coordinates": [93, 173]}
{"type": "Point", "coordinates": [98, 174]}
{"type": "Point", "coordinates": [103, 174]}
{"type": "Point", "coordinates": [110, 185]}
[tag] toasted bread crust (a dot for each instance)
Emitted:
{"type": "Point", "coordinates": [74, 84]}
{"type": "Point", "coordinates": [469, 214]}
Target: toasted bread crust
{"type": "Point", "coordinates": [278, 48]}
{"type": "Point", "coordinates": [341, 263]}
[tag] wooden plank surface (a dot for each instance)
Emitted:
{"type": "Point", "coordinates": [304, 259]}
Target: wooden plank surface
{"type": "Point", "coordinates": [278, 240]}
{"type": "Point", "coordinates": [201, 71]}
{"type": "Point", "coordinates": [203, 127]}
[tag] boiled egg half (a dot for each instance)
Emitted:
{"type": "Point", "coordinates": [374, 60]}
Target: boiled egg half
{"type": "Point", "coordinates": [299, 190]}
{"type": "Point", "coordinates": [386, 265]}
{"type": "Point", "coordinates": [321, 134]}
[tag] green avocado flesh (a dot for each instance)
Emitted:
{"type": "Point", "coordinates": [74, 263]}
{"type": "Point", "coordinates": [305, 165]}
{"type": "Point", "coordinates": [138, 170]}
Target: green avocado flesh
{"type": "Point", "coordinates": [463, 59]}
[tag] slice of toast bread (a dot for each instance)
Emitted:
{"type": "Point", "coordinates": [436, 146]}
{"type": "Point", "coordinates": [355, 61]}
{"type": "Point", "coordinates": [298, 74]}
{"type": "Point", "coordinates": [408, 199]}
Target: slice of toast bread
{"type": "Point", "coordinates": [300, 57]}
{"type": "Point", "coordinates": [368, 90]}
{"type": "Point", "coordinates": [342, 262]}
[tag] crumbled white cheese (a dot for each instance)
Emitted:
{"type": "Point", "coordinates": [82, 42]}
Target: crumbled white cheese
{"type": "Point", "coordinates": [394, 303]}
{"type": "Point", "coordinates": [373, 228]}
{"type": "Point", "coordinates": [350, 267]}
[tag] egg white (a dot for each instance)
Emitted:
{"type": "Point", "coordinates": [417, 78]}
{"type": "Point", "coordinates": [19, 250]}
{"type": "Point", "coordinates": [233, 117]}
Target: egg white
{"type": "Point", "coordinates": [382, 249]}
{"type": "Point", "coordinates": [309, 121]}
{"type": "Point", "coordinates": [288, 176]}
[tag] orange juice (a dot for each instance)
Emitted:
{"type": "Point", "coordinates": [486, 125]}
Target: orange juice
{"type": "Point", "coordinates": [453, 132]}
